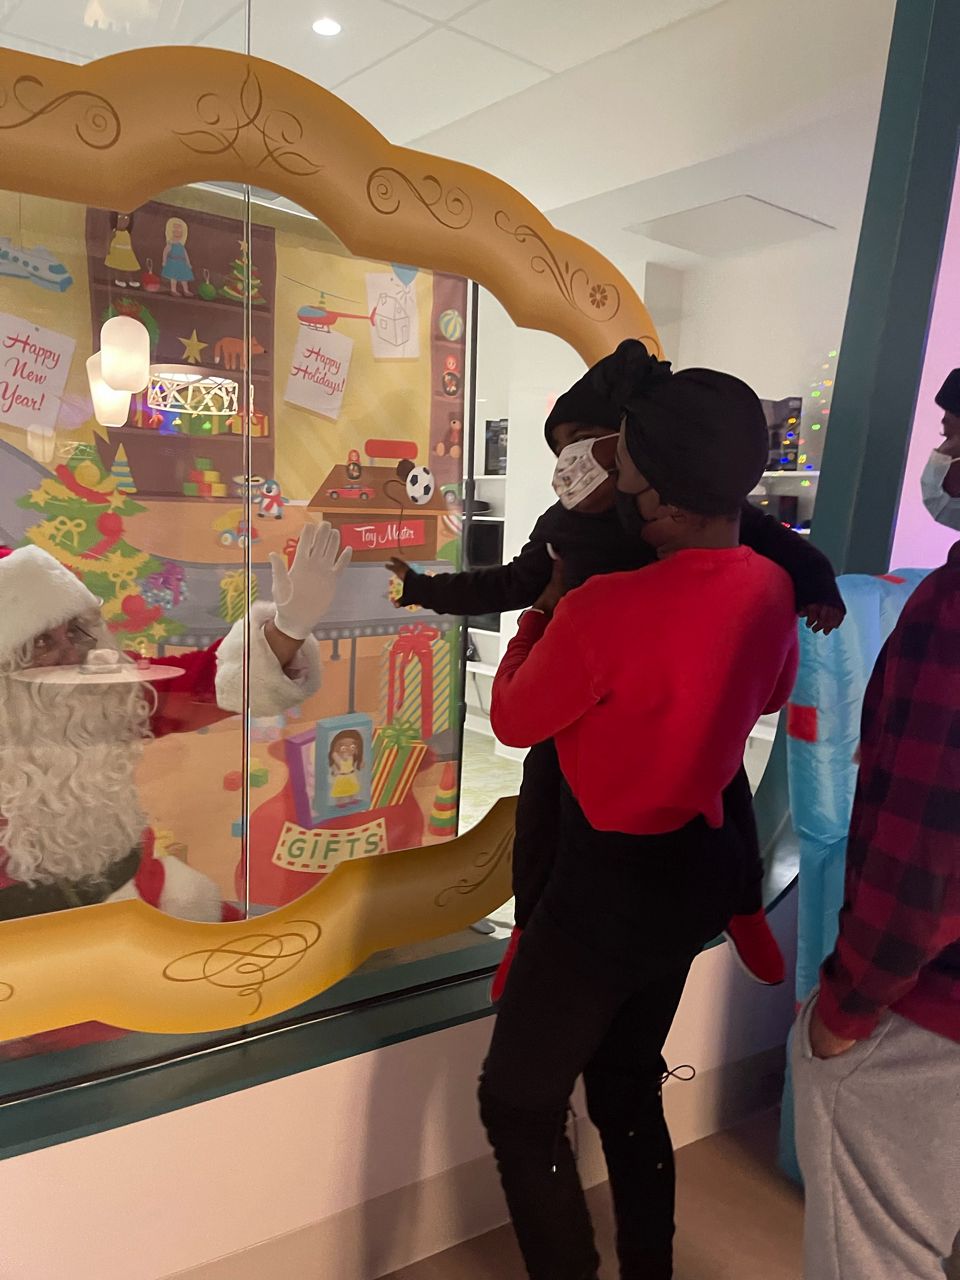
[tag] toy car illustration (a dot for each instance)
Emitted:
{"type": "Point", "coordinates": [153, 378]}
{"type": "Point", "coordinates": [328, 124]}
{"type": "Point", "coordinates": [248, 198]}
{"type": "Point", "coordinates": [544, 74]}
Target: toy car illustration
{"type": "Point", "coordinates": [351, 493]}
{"type": "Point", "coordinates": [238, 536]}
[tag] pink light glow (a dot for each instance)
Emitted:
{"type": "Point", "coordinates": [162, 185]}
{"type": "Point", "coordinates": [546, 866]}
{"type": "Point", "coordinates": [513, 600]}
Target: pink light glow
{"type": "Point", "coordinates": [919, 541]}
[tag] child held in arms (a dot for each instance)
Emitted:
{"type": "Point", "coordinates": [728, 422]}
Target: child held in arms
{"type": "Point", "coordinates": [583, 532]}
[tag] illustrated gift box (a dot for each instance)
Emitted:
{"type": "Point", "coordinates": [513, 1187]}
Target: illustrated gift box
{"type": "Point", "coordinates": [415, 680]}
{"type": "Point", "coordinates": [397, 756]}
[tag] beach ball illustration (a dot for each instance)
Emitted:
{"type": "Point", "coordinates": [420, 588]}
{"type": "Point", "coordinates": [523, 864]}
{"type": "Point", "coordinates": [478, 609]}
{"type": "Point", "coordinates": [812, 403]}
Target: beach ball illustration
{"type": "Point", "coordinates": [450, 325]}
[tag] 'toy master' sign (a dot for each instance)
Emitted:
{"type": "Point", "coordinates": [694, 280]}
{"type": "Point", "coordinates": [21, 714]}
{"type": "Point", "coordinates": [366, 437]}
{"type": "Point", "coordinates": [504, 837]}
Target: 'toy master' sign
{"type": "Point", "coordinates": [34, 364]}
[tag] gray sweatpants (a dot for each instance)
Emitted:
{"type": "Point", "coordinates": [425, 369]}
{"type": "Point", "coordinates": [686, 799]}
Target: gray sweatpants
{"type": "Point", "coordinates": [878, 1136]}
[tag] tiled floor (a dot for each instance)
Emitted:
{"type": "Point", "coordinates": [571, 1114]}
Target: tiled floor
{"type": "Point", "coordinates": [738, 1219]}
{"type": "Point", "coordinates": [486, 777]}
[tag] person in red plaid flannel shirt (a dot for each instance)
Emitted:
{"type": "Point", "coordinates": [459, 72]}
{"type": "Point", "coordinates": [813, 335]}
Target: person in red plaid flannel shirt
{"type": "Point", "coordinates": [877, 1047]}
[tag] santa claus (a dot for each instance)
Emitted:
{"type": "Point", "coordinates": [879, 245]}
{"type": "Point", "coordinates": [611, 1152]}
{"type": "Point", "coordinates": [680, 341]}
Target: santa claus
{"type": "Point", "coordinates": [75, 713]}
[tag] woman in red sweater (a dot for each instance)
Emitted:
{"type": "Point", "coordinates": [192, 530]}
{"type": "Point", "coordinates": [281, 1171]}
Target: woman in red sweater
{"type": "Point", "coordinates": [650, 682]}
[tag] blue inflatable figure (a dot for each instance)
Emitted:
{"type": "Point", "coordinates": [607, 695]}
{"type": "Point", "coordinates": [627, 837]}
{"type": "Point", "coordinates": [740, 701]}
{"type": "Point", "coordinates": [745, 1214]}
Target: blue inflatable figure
{"type": "Point", "coordinates": [823, 731]}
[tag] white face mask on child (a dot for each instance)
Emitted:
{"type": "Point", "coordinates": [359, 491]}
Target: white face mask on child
{"type": "Point", "coordinates": [578, 473]}
{"type": "Point", "coordinates": [944, 508]}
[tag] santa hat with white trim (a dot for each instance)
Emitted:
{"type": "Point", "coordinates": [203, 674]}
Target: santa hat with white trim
{"type": "Point", "coordinates": [37, 593]}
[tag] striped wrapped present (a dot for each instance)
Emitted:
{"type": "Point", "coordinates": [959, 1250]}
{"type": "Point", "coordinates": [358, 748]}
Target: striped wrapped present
{"type": "Point", "coordinates": [397, 756]}
{"type": "Point", "coordinates": [416, 680]}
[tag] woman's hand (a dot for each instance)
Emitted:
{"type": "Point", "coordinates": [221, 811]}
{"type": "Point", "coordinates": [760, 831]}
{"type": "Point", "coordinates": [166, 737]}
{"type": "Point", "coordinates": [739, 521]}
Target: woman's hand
{"type": "Point", "coordinates": [553, 592]}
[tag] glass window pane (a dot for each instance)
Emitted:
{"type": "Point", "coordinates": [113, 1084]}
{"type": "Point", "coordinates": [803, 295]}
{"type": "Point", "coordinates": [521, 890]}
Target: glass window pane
{"type": "Point", "coordinates": [121, 765]}
{"type": "Point", "coordinates": [81, 30]}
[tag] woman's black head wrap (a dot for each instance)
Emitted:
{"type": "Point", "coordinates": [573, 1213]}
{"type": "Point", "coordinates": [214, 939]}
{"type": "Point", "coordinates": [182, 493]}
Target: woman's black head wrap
{"type": "Point", "coordinates": [699, 437]}
{"type": "Point", "coordinates": [948, 397]}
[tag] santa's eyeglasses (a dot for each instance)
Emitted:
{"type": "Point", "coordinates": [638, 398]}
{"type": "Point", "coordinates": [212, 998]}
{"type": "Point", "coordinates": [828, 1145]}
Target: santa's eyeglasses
{"type": "Point", "coordinates": [76, 634]}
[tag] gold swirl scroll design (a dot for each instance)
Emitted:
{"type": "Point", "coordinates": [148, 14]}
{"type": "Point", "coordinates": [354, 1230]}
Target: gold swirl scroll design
{"type": "Point", "coordinates": [451, 207]}
{"type": "Point", "coordinates": [596, 301]}
{"type": "Point", "coordinates": [245, 965]}
{"type": "Point", "coordinates": [6, 991]}
{"type": "Point", "coordinates": [97, 125]}
{"type": "Point", "coordinates": [225, 125]}
{"type": "Point", "coordinates": [484, 865]}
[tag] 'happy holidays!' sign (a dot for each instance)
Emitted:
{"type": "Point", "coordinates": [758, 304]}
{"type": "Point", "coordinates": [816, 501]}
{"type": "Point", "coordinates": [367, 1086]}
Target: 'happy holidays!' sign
{"type": "Point", "coordinates": [34, 364]}
{"type": "Point", "coordinates": [318, 371]}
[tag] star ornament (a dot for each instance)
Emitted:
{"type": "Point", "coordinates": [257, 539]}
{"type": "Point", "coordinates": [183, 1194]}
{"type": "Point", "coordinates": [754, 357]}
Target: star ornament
{"type": "Point", "coordinates": [192, 348]}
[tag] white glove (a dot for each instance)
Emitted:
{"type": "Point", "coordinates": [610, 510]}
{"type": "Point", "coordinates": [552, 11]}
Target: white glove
{"type": "Point", "coordinates": [304, 592]}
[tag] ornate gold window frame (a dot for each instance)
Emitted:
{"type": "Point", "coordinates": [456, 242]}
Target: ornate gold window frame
{"type": "Point", "coordinates": [82, 134]}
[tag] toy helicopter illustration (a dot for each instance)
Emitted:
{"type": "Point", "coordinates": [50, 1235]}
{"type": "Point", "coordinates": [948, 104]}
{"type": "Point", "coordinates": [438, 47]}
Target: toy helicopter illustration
{"type": "Point", "coordinates": [321, 317]}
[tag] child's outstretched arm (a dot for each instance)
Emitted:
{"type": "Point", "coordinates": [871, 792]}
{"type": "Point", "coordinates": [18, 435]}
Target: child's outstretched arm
{"type": "Point", "coordinates": [496, 590]}
{"type": "Point", "coordinates": [814, 582]}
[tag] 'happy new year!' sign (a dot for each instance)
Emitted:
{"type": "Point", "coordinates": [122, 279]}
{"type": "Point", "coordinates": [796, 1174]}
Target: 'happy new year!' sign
{"type": "Point", "coordinates": [34, 364]}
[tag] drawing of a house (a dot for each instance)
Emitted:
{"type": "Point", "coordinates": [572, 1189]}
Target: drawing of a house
{"type": "Point", "coordinates": [393, 323]}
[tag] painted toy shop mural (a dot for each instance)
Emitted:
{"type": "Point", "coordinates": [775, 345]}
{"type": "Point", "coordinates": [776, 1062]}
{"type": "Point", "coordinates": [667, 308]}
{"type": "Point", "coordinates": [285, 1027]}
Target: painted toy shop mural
{"type": "Point", "coordinates": [354, 397]}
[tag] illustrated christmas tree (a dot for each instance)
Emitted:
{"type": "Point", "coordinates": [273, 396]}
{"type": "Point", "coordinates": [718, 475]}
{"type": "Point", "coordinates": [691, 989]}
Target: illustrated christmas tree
{"type": "Point", "coordinates": [244, 284]}
{"type": "Point", "coordinates": [82, 510]}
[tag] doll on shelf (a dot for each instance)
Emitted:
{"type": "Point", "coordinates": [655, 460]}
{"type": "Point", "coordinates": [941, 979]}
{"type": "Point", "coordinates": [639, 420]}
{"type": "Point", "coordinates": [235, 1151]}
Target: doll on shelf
{"type": "Point", "coordinates": [121, 259]}
{"type": "Point", "coordinates": [175, 263]}
{"type": "Point", "coordinates": [346, 761]}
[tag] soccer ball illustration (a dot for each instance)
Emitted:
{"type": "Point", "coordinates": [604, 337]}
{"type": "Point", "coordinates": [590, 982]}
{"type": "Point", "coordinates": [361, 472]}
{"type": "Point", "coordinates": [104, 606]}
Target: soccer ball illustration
{"type": "Point", "coordinates": [420, 485]}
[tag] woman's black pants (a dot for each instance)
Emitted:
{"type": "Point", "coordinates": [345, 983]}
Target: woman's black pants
{"type": "Point", "coordinates": [593, 992]}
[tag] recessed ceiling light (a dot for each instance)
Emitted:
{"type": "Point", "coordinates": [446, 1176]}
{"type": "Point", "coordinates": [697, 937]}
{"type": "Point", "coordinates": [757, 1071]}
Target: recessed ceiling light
{"type": "Point", "coordinates": [327, 27]}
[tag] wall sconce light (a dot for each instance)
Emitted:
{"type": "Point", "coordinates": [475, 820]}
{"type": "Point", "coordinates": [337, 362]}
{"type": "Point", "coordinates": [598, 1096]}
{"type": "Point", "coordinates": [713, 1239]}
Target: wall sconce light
{"type": "Point", "coordinates": [111, 408]}
{"type": "Point", "coordinates": [125, 354]}
{"type": "Point", "coordinates": [41, 441]}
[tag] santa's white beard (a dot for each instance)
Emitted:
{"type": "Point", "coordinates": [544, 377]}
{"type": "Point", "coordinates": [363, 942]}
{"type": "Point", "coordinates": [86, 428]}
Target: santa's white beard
{"type": "Point", "coordinates": [68, 758]}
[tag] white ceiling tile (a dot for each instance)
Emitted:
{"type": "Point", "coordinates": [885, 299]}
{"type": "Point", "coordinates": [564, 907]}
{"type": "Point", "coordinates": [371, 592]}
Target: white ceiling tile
{"type": "Point", "coordinates": [39, 50]}
{"type": "Point", "coordinates": [563, 33]}
{"type": "Point", "coordinates": [404, 102]}
{"type": "Point", "coordinates": [371, 30]}
{"type": "Point", "coordinates": [438, 10]}
{"type": "Point", "coordinates": [96, 28]}
{"type": "Point", "coordinates": [740, 224]}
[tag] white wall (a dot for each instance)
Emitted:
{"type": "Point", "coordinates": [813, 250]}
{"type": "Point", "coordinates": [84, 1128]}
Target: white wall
{"type": "Point", "coordinates": [520, 372]}
{"type": "Point", "coordinates": [769, 317]}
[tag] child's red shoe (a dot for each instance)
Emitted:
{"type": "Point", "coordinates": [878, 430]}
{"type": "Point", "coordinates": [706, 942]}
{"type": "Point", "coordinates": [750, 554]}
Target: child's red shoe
{"type": "Point", "coordinates": [500, 977]}
{"type": "Point", "coordinates": [757, 949]}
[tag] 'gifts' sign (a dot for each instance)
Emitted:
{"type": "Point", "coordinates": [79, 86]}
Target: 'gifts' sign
{"type": "Point", "coordinates": [34, 364]}
{"type": "Point", "coordinates": [320, 850]}
{"type": "Point", "coordinates": [318, 371]}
